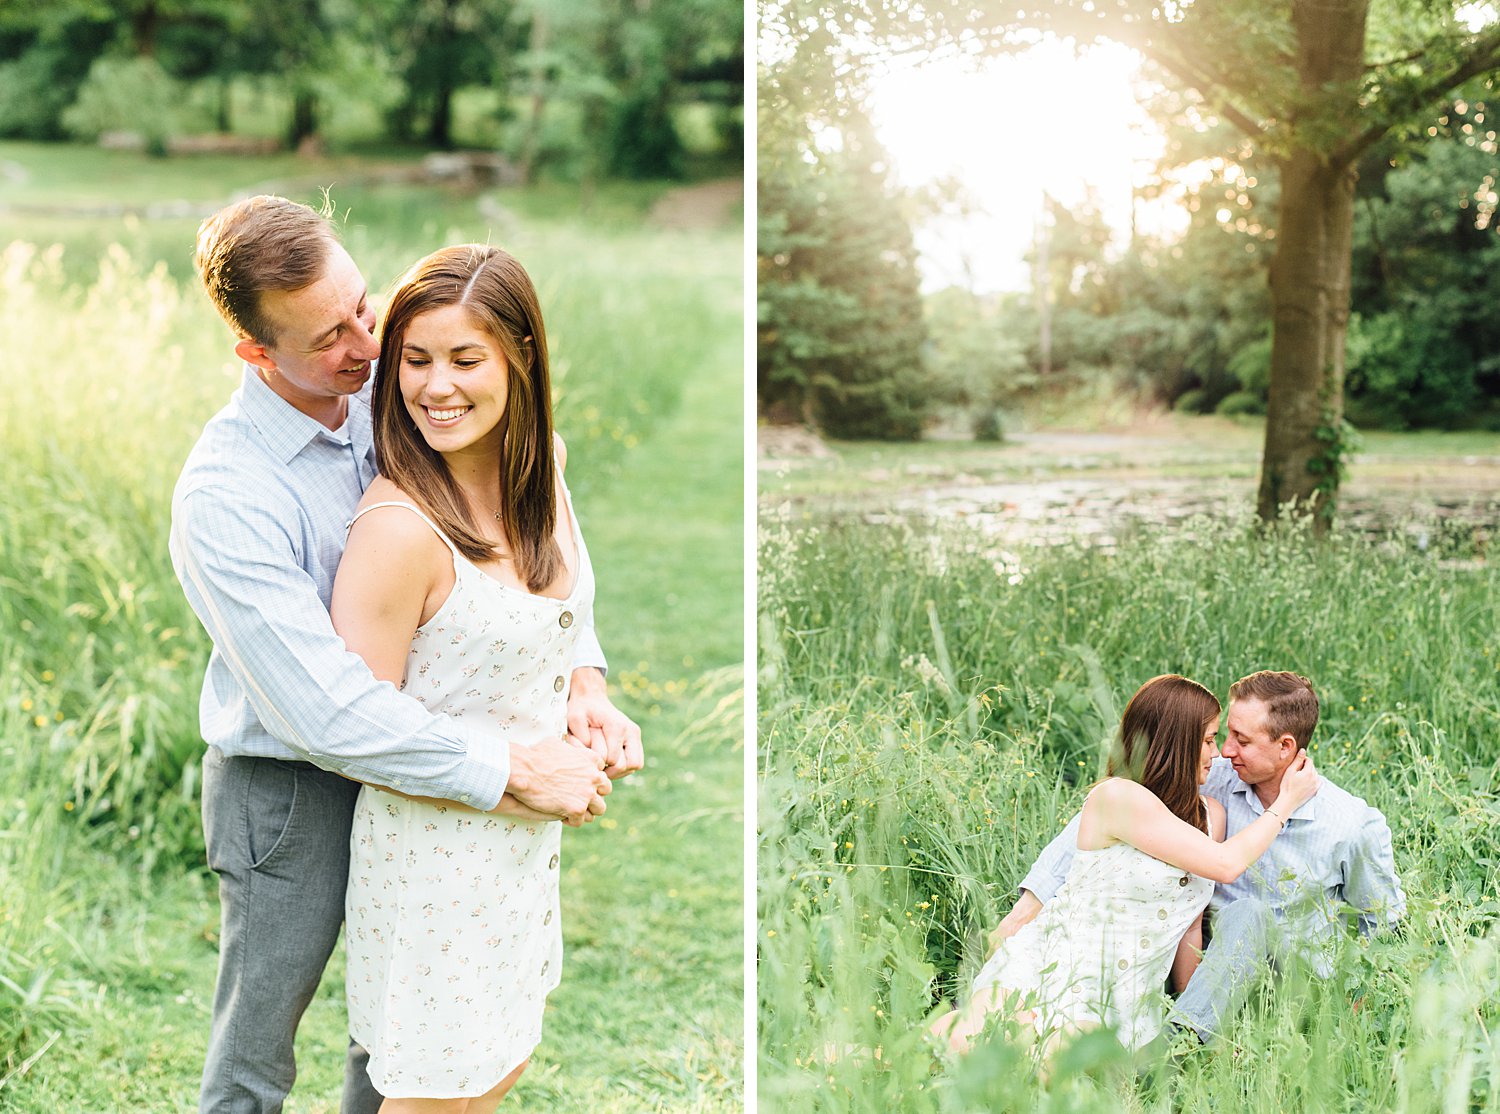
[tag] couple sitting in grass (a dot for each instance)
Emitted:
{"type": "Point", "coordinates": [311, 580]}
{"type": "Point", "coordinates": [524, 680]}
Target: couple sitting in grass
{"type": "Point", "coordinates": [1249, 850]}
{"type": "Point", "coordinates": [399, 763]}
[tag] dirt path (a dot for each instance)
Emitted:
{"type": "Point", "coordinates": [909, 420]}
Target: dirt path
{"type": "Point", "coordinates": [706, 205]}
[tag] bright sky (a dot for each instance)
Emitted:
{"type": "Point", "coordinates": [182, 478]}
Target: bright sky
{"type": "Point", "coordinates": [1009, 129]}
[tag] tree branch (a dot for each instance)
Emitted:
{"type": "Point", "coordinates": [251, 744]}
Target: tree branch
{"type": "Point", "coordinates": [1484, 56]}
{"type": "Point", "coordinates": [1206, 87]}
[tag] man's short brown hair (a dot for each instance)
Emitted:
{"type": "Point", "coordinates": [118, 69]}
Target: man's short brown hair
{"type": "Point", "coordinates": [259, 244]}
{"type": "Point", "coordinates": [1291, 703]}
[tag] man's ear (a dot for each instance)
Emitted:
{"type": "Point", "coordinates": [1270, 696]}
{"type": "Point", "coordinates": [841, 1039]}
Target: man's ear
{"type": "Point", "coordinates": [254, 352]}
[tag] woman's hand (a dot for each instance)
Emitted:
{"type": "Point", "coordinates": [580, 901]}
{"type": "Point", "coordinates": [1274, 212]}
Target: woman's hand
{"type": "Point", "coordinates": [1298, 785]}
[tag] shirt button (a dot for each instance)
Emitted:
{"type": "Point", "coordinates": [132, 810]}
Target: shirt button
{"type": "Point", "coordinates": [557, 686]}
{"type": "Point", "coordinates": [565, 620]}
{"type": "Point", "coordinates": [552, 865]}
{"type": "Point", "coordinates": [464, 798]}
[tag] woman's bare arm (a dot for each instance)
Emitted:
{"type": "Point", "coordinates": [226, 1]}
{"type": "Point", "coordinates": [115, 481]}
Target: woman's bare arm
{"type": "Point", "coordinates": [1124, 811]}
{"type": "Point", "coordinates": [394, 575]}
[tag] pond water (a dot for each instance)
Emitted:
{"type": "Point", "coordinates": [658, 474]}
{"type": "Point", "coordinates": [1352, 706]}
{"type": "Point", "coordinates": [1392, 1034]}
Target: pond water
{"type": "Point", "coordinates": [1053, 488]}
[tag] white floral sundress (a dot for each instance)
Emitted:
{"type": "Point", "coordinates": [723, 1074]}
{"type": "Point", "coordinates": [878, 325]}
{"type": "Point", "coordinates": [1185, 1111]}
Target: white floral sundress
{"type": "Point", "coordinates": [452, 923]}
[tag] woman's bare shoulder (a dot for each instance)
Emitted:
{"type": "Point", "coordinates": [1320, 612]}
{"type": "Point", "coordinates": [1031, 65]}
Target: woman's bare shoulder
{"type": "Point", "coordinates": [395, 531]}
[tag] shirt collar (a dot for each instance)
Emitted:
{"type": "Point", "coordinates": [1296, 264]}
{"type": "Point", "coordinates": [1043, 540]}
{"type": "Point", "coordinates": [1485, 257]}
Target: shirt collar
{"type": "Point", "coordinates": [1308, 810]}
{"type": "Point", "coordinates": [287, 431]}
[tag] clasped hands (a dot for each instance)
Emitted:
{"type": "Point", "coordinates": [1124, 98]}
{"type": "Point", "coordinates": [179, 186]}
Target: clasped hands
{"type": "Point", "coordinates": [568, 779]}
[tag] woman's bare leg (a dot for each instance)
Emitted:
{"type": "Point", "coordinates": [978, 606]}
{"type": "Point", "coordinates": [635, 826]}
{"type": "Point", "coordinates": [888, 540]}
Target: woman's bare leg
{"type": "Point", "coordinates": [486, 1103]}
{"type": "Point", "coordinates": [958, 1028]}
{"type": "Point", "coordinates": [479, 1104]}
{"type": "Point", "coordinates": [1189, 955]}
{"type": "Point", "coordinates": [425, 1106]}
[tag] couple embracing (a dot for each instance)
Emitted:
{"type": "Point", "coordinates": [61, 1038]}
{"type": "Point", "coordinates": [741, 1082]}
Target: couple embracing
{"type": "Point", "coordinates": [1186, 867]}
{"type": "Point", "coordinates": [398, 726]}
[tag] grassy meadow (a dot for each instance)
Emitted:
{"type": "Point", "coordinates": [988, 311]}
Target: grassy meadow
{"type": "Point", "coordinates": [113, 361]}
{"type": "Point", "coordinates": [932, 711]}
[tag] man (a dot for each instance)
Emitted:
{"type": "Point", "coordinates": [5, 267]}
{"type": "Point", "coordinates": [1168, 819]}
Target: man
{"type": "Point", "coordinates": [1334, 853]}
{"type": "Point", "coordinates": [294, 721]}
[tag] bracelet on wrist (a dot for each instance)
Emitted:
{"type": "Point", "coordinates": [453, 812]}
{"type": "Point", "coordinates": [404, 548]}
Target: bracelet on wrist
{"type": "Point", "coordinates": [1280, 819]}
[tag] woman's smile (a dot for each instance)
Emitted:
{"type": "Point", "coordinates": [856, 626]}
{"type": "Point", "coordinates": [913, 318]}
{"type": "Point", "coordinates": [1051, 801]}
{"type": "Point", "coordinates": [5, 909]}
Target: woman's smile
{"type": "Point", "coordinates": [446, 415]}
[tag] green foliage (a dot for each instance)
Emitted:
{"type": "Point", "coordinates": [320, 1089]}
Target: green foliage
{"type": "Point", "coordinates": [1422, 347]}
{"type": "Point", "coordinates": [840, 325]}
{"type": "Point", "coordinates": [1241, 402]}
{"type": "Point", "coordinates": [932, 713]}
{"type": "Point", "coordinates": [1193, 401]}
{"type": "Point", "coordinates": [587, 88]}
{"type": "Point", "coordinates": [41, 68]}
{"type": "Point", "coordinates": [126, 95]}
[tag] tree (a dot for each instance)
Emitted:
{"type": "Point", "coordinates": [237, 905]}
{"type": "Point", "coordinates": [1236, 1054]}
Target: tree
{"type": "Point", "coordinates": [840, 323]}
{"type": "Point", "coordinates": [1309, 84]}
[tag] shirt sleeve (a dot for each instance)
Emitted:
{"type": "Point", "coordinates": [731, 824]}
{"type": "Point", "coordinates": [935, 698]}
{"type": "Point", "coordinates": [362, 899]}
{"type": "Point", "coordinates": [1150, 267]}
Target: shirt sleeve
{"type": "Point", "coordinates": [1050, 870]}
{"type": "Point", "coordinates": [586, 650]}
{"type": "Point", "coordinates": [237, 563]}
{"type": "Point", "coordinates": [1370, 884]}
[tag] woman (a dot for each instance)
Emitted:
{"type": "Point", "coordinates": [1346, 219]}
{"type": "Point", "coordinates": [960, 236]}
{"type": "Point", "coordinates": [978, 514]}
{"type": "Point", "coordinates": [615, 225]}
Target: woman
{"type": "Point", "coordinates": [464, 573]}
{"type": "Point", "coordinates": [1150, 848]}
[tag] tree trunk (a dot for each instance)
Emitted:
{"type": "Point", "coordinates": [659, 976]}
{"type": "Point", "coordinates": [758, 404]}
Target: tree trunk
{"type": "Point", "coordinates": [304, 119]}
{"type": "Point", "coordinates": [531, 144]}
{"type": "Point", "coordinates": [1310, 277]}
{"type": "Point", "coordinates": [440, 127]}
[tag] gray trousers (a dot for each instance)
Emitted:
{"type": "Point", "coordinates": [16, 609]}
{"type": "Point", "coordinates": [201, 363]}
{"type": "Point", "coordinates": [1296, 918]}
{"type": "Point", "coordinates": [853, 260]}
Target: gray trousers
{"type": "Point", "coordinates": [278, 838]}
{"type": "Point", "coordinates": [1245, 939]}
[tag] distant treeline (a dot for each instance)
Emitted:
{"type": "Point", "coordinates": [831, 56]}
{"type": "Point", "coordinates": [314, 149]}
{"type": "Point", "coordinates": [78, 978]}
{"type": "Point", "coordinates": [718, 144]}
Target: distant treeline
{"type": "Point", "coordinates": [590, 87]}
{"type": "Point", "coordinates": [848, 344]}
{"type": "Point", "coordinates": [1188, 322]}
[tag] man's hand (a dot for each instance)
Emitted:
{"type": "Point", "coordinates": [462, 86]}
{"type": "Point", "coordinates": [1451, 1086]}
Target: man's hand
{"type": "Point", "coordinates": [558, 780]}
{"type": "Point", "coordinates": [1022, 913]}
{"type": "Point", "coordinates": [596, 723]}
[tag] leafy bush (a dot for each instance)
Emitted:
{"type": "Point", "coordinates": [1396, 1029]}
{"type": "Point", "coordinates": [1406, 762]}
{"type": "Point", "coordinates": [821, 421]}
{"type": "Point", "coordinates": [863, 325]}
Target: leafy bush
{"type": "Point", "coordinates": [1194, 401]}
{"type": "Point", "coordinates": [126, 94]}
{"type": "Point", "coordinates": [1241, 402]}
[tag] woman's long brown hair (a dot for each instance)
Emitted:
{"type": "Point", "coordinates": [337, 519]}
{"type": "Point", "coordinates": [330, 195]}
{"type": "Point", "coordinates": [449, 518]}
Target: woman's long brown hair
{"type": "Point", "coordinates": [1161, 743]}
{"type": "Point", "coordinates": [498, 294]}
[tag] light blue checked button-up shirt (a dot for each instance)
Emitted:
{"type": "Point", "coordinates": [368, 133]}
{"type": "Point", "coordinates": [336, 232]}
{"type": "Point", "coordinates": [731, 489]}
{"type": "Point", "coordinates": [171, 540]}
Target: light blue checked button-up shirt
{"type": "Point", "coordinates": [258, 524]}
{"type": "Point", "coordinates": [1333, 857]}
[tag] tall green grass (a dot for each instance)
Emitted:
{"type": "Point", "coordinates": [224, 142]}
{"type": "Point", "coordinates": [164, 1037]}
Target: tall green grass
{"type": "Point", "coordinates": [113, 362]}
{"type": "Point", "coordinates": [932, 714]}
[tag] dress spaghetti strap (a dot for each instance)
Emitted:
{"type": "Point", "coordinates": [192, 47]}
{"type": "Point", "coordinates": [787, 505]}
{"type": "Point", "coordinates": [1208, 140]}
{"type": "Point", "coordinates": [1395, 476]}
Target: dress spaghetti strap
{"type": "Point", "coordinates": [414, 510]}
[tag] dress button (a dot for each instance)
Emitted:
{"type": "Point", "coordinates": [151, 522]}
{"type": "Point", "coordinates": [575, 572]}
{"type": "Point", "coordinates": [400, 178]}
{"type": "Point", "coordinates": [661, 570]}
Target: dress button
{"type": "Point", "coordinates": [1183, 881]}
{"type": "Point", "coordinates": [548, 918]}
{"type": "Point", "coordinates": [1161, 914]}
{"type": "Point", "coordinates": [1124, 963]}
{"type": "Point", "coordinates": [1145, 941]}
{"type": "Point", "coordinates": [553, 864]}
{"type": "Point", "coordinates": [557, 686]}
{"type": "Point", "coordinates": [565, 620]}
